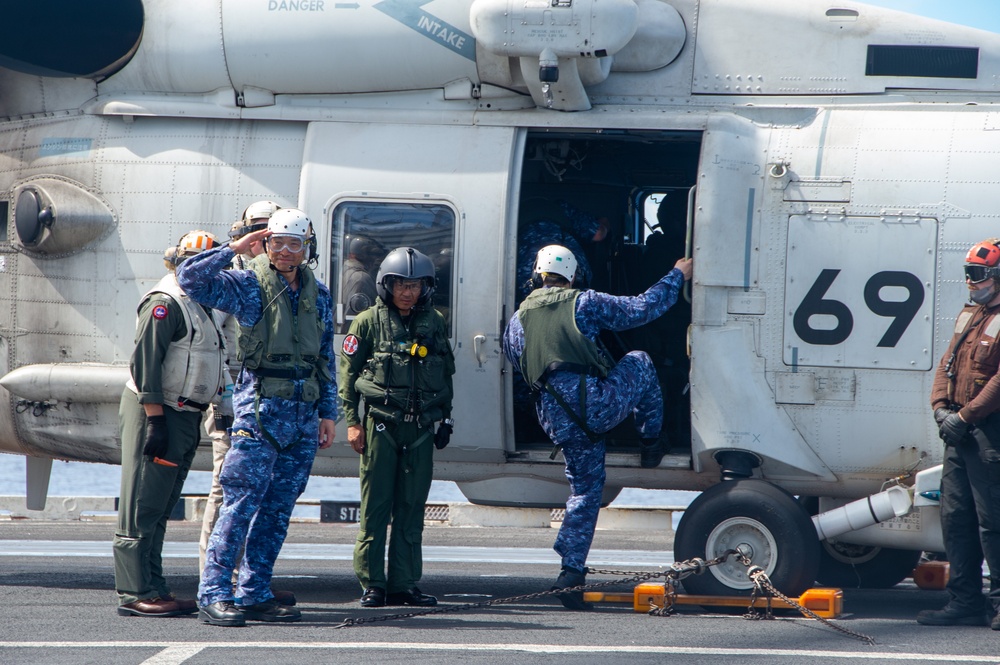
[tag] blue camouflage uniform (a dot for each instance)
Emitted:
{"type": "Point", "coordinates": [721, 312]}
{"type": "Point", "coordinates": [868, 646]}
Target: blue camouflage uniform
{"type": "Point", "coordinates": [542, 233]}
{"type": "Point", "coordinates": [261, 480]}
{"type": "Point", "coordinates": [631, 387]}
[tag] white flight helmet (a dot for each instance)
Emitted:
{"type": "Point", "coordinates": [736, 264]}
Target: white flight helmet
{"type": "Point", "coordinates": [293, 222]}
{"type": "Point", "coordinates": [290, 222]}
{"type": "Point", "coordinates": [260, 210]}
{"type": "Point", "coordinates": [557, 260]}
{"type": "Point", "coordinates": [255, 218]}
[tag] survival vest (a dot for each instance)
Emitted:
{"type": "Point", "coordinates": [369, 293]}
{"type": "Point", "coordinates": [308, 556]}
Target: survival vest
{"type": "Point", "coordinates": [406, 377]}
{"type": "Point", "coordinates": [194, 366]}
{"type": "Point", "coordinates": [553, 342]}
{"type": "Point", "coordinates": [283, 347]}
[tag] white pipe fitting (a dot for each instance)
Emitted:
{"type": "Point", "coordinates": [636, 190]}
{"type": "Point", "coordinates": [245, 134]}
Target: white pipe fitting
{"type": "Point", "coordinates": [893, 502]}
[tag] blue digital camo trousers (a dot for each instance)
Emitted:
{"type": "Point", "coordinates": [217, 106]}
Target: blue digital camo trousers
{"type": "Point", "coordinates": [631, 387]}
{"type": "Point", "coordinates": [260, 486]}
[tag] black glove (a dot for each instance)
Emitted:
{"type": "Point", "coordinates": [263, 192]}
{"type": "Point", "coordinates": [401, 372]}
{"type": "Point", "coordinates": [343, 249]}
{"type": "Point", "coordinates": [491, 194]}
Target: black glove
{"type": "Point", "coordinates": [953, 430]}
{"type": "Point", "coordinates": [443, 435]}
{"type": "Point", "coordinates": [940, 414]}
{"type": "Point", "coordinates": [156, 436]}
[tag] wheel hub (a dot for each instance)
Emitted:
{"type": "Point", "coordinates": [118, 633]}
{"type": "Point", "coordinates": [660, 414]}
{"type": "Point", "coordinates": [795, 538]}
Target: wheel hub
{"type": "Point", "coordinates": [750, 538]}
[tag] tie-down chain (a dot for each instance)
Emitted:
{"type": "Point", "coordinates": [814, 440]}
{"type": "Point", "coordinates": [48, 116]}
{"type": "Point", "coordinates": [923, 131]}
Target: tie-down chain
{"type": "Point", "coordinates": [677, 572]}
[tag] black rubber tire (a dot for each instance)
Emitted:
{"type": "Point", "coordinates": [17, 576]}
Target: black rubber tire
{"type": "Point", "coordinates": [849, 566]}
{"type": "Point", "coordinates": [755, 514]}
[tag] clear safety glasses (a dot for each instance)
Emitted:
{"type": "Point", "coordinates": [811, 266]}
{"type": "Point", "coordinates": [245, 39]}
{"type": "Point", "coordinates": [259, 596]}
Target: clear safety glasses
{"type": "Point", "coordinates": [411, 286]}
{"type": "Point", "coordinates": [290, 243]}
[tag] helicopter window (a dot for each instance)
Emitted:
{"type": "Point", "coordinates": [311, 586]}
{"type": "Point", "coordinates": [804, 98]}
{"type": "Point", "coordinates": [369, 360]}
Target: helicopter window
{"type": "Point", "coordinates": [365, 231]}
{"type": "Point", "coordinates": [662, 212]}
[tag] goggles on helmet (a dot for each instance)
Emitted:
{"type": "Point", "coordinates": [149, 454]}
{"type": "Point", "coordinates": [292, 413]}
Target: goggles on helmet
{"type": "Point", "coordinates": [293, 244]}
{"type": "Point", "coordinates": [240, 229]}
{"type": "Point", "coordinates": [976, 274]}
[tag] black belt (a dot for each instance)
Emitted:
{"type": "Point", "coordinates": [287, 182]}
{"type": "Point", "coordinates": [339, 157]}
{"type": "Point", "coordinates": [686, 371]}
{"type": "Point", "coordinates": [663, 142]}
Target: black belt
{"type": "Point", "coordinates": [184, 401]}
{"type": "Point", "coordinates": [297, 373]}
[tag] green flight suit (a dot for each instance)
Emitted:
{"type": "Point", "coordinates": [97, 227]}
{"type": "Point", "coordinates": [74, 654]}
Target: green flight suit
{"type": "Point", "coordinates": [150, 491]}
{"type": "Point", "coordinates": [405, 394]}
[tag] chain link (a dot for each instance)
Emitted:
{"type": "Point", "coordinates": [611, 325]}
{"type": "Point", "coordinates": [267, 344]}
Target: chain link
{"type": "Point", "coordinates": [761, 582]}
{"type": "Point", "coordinates": [677, 572]}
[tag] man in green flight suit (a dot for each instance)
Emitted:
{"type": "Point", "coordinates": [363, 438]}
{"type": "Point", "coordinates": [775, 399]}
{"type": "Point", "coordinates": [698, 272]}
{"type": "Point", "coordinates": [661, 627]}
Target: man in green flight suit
{"type": "Point", "coordinates": [397, 356]}
{"type": "Point", "coordinates": [177, 369]}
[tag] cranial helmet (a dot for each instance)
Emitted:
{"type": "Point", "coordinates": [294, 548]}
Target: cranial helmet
{"type": "Point", "coordinates": [405, 263]}
{"type": "Point", "coordinates": [191, 243]}
{"type": "Point", "coordinates": [293, 222]}
{"type": "Point", "coordinates": [366, 249]}
{"type": "Point", "coordinates": [255, 211]}
{"type": "Point", "coordinates": [290, 222]}
{"type": "Point", "coordinates": [983, 262]}
{"type": "Point", "coordinates": [556, 259]}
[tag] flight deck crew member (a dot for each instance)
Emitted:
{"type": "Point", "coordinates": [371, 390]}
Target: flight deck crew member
{"type": "Point", "coordinates": [397, 356]}
{"type": "Point", "coordinates": [551, 340]}
{"type": "Point", "coordinates": [220, 418]}
{"type": "Point", "coordinates": [177, 369]}
{"type": "Point", "coordinates": [284, 404]}
{"type": "Point", "coordinates": [966, 402]}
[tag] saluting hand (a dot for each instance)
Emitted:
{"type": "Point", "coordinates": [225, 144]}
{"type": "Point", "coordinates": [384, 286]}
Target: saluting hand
{"type": "Point", "coordinates": [242, 245]}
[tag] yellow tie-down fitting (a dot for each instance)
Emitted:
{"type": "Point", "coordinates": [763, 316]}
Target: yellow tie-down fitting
{"type": "Point", "coordinates": [418, 350]}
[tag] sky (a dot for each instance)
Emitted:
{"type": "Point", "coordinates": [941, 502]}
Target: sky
{"type": "Point", "coordinates": [983, 14]}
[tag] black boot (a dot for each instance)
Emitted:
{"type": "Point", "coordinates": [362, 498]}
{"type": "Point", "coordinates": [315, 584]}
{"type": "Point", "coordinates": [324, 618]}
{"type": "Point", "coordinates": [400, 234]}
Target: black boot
{"type": "Point", "coordinates": [651, 451]}
{"type": "Point", "coordinates": [222, 613]}
{"type": "Point", "coordinates": [572, 600]}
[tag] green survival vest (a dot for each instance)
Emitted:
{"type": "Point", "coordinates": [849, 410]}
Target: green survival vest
{"type": "Point", "coordinates": [283, 346]}
{"type": "Point", "coordinates": [553, 342]}
{"type": "Point", "coordinates": [400, 382]}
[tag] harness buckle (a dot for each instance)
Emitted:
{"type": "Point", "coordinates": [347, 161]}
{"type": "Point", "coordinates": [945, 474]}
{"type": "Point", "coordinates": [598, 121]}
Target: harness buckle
{"type": "Point", "coordinates": [379, 427]}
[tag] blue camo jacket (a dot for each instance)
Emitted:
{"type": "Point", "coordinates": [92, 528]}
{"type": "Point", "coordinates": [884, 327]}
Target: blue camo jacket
{"type": "Point", "coordinates": [206, 279]}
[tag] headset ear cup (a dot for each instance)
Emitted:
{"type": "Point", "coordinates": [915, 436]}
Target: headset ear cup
{"type": "Point", "coordinates": [313, 249]}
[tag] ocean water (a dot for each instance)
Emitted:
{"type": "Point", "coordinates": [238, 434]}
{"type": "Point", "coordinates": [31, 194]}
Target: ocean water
{"type": "Point", "coordinates": [84, 479]}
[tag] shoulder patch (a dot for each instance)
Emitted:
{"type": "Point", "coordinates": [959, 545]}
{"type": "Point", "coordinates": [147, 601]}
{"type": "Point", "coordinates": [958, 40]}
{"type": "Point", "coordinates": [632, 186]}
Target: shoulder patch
{"type": "Point", "coordinates": [993, 327]}
{"type": "Point", "coordinates": [159, 311]}
{"type": "Point", "coordinates": [350, 345]}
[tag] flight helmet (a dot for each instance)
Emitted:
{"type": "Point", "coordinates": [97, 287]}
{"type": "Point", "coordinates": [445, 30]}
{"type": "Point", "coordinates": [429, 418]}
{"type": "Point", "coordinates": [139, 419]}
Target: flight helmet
{"type": "Point", "coordinates": [261, 210]}
{"type": "Point", "coordinates": [557, 260]}
{"type": "Point", "coordinates": [367, 250]}
{"type": "Point", "coordinates": [405, 263]}
{"type": "Point", "coordinates": [983, 262]}
{"type": "Point", "coordinates": [191, 243]}
{"type": "Point", "coordinates": [293, 222]}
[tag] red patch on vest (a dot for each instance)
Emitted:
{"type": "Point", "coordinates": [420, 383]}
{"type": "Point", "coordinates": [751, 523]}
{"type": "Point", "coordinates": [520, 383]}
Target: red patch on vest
{"type": "Point", "coordinates": [160, 312]}
{"type": "Point", "coordinates": [350, 345]}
